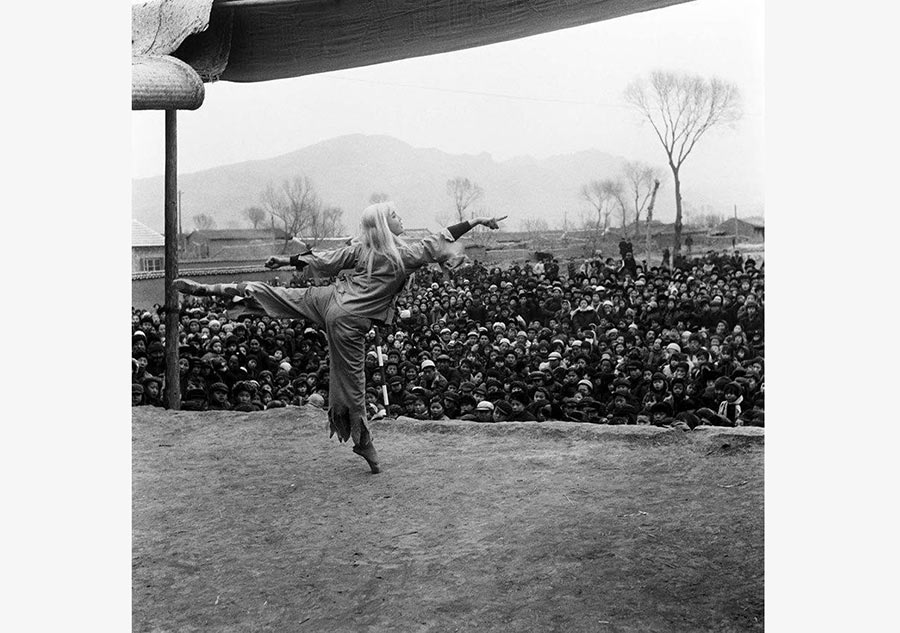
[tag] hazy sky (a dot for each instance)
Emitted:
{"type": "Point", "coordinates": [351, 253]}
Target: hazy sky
{"type": "Point", "coordinates": [549, 94]}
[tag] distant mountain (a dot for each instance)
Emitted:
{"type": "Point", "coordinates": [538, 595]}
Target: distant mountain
{"type": "Point", "coordinates": [347, 170]}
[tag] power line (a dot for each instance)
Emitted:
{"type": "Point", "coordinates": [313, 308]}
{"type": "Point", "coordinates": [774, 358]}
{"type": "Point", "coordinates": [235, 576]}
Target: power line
{"type": "Point", "coordinates": [496, 95]}
{"type": "Point", "coordinates": [478, 93]}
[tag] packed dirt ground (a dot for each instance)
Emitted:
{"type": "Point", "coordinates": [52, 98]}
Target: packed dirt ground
{"type": "Point", "coordinates": [259, 522]}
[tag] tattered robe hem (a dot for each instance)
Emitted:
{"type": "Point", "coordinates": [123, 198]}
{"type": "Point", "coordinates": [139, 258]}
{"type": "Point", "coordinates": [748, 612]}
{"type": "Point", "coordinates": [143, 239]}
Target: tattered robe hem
{"type": "Point", "coordinates": [345, 333]}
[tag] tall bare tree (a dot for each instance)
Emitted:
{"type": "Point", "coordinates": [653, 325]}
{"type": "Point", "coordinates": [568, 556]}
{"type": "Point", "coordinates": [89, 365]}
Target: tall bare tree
{"type": "Point", "coordinates": [464, 193]}
{"type": "Point", "coordinates": [681, 108]}
{"type": "Point", "coordinates": [204, 222]}
{"type": "Point", "coordinates": [256, 215]}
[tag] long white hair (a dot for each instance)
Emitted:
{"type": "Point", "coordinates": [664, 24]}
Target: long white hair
{"type": "Point", "coordinates": [376, 237]}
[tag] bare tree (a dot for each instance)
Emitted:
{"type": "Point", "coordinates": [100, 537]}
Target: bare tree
{"type": "Point", "coordinates": [301, 212]}
{"type": "Point", "coordinates": [704, 217]}
{"type": "Point", "coordinates": [594, 193]}
{"type": "Point", "coordinates": [584, 222]}
{"type": "Point", "coordinates": [294, 204]}
{"type": "Point", "coordinates": [615, 197]}
{"type": "Point", "coordinates": [650, 204]}
{"type": "Point", "coordinates": [204, 222]}
{"type": "Point", "coordinates": [639, 180]}
{"type": "Point", "coordinates": [378, 197]}
{"type": "Point", "coordinates": [604, 196]}
{"type": "Point", "coordinates": [256, 215]}
{"type": "Point", "coordinates": [326, 223]}
{"type": "Point", "coordinates": [681, 108]}
{"type": "Point", "coordinates": [534, 225]}
{"type": "Point", "coordinates": [464, 193]}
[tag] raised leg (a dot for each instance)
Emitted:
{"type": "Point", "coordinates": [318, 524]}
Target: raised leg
{"type": "Point", "coordinates": [189, 287]}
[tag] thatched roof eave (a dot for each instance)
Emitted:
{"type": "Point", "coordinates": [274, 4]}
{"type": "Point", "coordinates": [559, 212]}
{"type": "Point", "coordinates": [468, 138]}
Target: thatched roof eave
{"type": "Point", "coordinates": [262, 40]}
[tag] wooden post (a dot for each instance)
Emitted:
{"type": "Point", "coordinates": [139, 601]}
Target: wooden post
{"type": "Point", "coordinates": [735, 229]}
{"type": "Point", "coordinates": [173, 386]}
{"type": "Point", "coordinates": [650, 219]}
{"type": "Point", "coordinates": [180, 230]}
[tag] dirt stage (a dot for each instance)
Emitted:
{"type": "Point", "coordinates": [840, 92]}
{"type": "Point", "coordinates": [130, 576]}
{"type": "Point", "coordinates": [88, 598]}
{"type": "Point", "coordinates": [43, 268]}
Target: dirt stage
{"type": "Point", "coordinates": [259, 522]}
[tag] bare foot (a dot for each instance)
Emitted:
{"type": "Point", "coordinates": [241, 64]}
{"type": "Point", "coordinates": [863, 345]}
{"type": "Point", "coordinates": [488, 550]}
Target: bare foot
{"type": "Point", "coordinates": [370, 455]}
{"type": "Point", "coordinates": [186, 286]}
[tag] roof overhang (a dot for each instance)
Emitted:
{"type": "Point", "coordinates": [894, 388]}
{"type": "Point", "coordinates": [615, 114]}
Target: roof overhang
{"type": "Point", "coordinates": [261, 40]}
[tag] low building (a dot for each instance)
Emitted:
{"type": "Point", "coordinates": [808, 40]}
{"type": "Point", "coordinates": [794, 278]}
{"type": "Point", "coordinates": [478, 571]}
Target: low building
{"type": "Point", "coordinates": [744, 229]}
{"type": "Point", "coordinates": [147, 249]}
{"type": "Point", "coordinates": [218, 244]}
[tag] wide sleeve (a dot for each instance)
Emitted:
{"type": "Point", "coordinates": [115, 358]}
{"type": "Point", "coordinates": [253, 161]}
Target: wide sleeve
{"type": "Point", "coordinates": [438, 248]}
{"type": "Point", "coordinates": [330, 263]}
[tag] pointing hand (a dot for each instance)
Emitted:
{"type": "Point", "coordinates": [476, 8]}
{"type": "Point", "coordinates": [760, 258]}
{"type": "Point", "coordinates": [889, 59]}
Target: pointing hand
{"type": "Point", "coordinates": [491, 223]}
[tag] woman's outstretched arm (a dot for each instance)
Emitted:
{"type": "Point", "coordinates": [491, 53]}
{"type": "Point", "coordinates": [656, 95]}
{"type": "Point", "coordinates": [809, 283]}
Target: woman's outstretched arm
{"type": "Point", "coordinates": [326, 263]}
{"type": "Point", "coordinates": [439, 248]}
{"type": "Point", "coordinates": [460, 229]}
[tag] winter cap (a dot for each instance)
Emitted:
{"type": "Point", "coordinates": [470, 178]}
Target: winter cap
{"type": "Point", "coordinates": [316, 400]}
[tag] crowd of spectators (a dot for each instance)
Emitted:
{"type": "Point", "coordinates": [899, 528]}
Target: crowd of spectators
{"type": "Point", "coordinates": [601, 341]}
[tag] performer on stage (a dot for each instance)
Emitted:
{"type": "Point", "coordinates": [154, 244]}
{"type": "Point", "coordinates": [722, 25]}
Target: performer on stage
{"type": "Point", "coordinates": [381, 263]}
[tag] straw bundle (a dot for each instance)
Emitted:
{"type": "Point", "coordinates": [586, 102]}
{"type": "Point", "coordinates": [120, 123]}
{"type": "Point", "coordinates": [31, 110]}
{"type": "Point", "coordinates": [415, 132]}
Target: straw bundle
{"type": "Point", "coordinates": [160, 82]}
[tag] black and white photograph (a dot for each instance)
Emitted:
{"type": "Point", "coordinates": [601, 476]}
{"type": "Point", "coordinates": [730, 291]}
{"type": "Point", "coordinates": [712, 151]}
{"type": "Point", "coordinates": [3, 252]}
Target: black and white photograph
{"type": "Point", "coordinates": [448, 316]}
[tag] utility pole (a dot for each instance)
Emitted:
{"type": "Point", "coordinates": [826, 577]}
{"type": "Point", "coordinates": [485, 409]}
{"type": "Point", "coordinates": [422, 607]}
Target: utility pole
{"type": "Point", "coordinates": [173, 387]}
{"type": "Point", "coordinates": [180, 231]}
